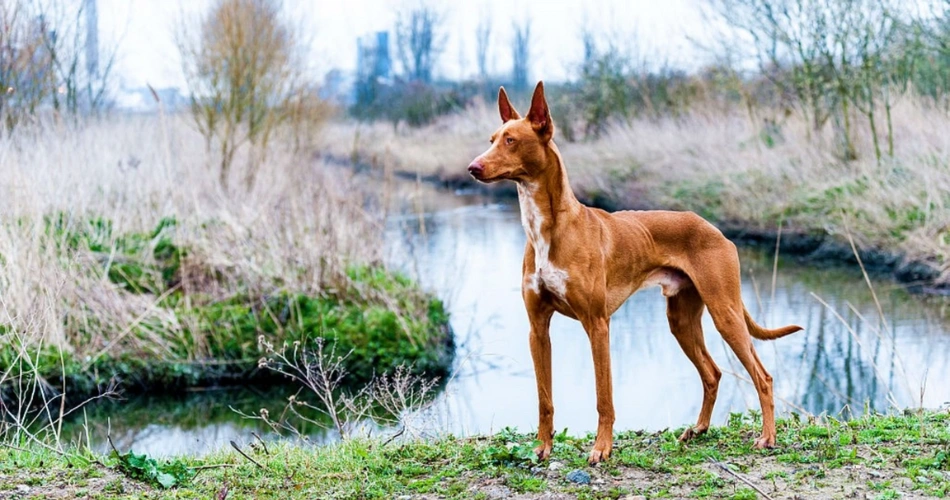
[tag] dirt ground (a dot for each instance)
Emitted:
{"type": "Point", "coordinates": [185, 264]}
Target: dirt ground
{"type": "Point", "coordinates": [98, 482]}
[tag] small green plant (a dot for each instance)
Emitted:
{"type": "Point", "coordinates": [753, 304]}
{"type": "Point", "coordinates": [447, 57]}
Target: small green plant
{"type": "Point", "coordinates": [507, 449]}
{"type": "Point", "coordinates": [888, 495]}
{"type": "Point", "coordinates": [880, 485]}
{"type": "Point", "coordinates": [526, 483]}
{"type": "Point", "coordinates": [710, 486]}
{"type": "Point", "coordinates": [144, 468]}
{"type": "Point", "coordinates": [745, 494]}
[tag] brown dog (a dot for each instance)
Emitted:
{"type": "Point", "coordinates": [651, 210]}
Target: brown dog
{"type": "Point", "coordinates": [584, 263]}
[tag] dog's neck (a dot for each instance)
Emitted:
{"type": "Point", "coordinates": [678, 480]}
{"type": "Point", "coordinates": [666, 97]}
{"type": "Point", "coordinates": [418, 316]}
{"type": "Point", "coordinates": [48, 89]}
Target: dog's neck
{"type": "Point", "coordinates": [546, 200]}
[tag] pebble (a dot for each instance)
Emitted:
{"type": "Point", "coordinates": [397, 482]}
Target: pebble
{"type": "Point", "coordinates": [578, 476]}
{"type": "Point", "coordinates": [555, 465]}
{"type": "Point", "coordinates": [497, 492]}
{"type": "Point", "coordinates": [22, 488]}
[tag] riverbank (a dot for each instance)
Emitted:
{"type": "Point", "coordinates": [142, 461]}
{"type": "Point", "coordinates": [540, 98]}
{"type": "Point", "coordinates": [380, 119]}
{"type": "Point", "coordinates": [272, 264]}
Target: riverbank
{"type": "Point", "coordinates": [752, 180]}
{"type": "Point", "coordinates": [126, 264]}
{"type": "Point", "coordinates": [875, 456]}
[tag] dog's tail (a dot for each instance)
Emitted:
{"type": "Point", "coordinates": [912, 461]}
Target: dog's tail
{"type": "Point", "coordinates": [765, 334]}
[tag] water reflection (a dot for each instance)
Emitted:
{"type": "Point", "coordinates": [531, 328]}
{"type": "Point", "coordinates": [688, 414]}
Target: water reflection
{"type": "Point", "coordinates": [194, 422]}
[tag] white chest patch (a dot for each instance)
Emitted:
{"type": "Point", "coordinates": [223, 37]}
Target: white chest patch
{"type": "Point", "coordinates": [546, 274]}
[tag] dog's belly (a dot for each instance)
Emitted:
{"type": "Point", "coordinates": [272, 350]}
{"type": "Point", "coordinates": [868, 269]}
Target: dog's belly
{"type": "Point", "coordinates": [670, 281]}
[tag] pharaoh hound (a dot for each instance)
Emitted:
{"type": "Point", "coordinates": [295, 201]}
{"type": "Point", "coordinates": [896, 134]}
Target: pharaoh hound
{"type": "Point", "coordinates": [585, 262]}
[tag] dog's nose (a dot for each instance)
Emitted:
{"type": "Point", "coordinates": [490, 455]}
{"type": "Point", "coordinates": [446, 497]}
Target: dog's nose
{"type": "Point", "coordinates": [476, 168]}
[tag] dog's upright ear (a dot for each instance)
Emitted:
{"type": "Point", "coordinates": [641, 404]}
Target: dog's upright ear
{"type": "Point", "coordinates": [540, 116]}
{"type": "Point", "coordinates": [507, 111]}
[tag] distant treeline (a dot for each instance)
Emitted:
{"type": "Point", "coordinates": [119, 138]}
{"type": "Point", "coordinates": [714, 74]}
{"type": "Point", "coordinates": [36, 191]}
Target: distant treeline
{"type": "Point", "coordinates": [839, 63]}
{"type": "Point", "coordinates": [833, 61]}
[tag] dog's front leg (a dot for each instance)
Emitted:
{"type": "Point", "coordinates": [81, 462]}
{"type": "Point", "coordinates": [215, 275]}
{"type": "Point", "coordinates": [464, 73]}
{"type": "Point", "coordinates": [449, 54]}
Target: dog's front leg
{"type": "Point", "coordinates": [598, 330]}
{"type": "Point", "coordinates": [539, 314]}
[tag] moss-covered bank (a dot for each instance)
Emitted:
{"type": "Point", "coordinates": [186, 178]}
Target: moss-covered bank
{"type": "Point", "coordinates": [198, 329]}
{"type": "Point", "coordinates": [875, 456]}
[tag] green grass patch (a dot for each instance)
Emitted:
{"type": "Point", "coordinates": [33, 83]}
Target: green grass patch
{"type": "Point", "coordinates": [650, 464]}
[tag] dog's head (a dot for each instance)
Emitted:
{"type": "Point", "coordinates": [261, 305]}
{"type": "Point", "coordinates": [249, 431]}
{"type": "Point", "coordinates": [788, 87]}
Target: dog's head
{"type": "Point", "coordinates": [520, 147]}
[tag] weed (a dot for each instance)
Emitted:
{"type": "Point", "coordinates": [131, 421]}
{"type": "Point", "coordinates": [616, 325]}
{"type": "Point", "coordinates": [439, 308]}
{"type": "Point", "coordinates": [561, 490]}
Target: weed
{"type": "Point", "coordinates": [525, 483]}
{"type": "Point", "coordinates": [165, 474]}
{"type": "Point", "coordinates": [887, 494]}
{"type": "Point", "coordinates": [745, 494]}
{"type": "Point", "coordinates": [509, 448]}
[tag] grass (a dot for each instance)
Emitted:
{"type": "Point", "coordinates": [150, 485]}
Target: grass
{"type": "Point", "coordinates": [714, 161]}
{"type": "Point", "coordinates": [122, 258]}
{"type": "Point", "coordinates": [880, 456]}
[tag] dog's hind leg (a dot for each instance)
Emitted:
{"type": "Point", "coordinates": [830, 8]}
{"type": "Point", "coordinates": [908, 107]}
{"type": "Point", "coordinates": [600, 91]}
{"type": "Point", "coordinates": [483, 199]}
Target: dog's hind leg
{"type": "Point", "coordinates": [718, 284]}
{"type": "Point", "coordinates": [684, 312]}
{"type": "Point", "coordinates": [731, 324]}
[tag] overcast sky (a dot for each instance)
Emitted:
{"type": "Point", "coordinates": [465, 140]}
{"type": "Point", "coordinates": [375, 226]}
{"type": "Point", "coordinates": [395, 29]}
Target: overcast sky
{"type": "Point", "coordinates": [656, 30]}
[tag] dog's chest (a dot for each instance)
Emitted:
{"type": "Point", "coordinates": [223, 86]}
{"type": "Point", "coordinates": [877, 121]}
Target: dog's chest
{"type": "Point", "coordinates": [546, 275]}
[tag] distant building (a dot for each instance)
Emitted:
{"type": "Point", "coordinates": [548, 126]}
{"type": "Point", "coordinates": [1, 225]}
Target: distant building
{"type": "Point", "coordinates": [373, 65]}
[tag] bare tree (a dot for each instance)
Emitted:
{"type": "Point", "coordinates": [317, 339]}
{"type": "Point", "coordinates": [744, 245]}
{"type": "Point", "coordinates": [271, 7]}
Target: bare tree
{"type": "Point", "coordinates": [82, 83]}
{"type": "Point", "coordinates": [418, 41]}
{"type": "Point", "coordinates": [787, 38]}
{"type": "Point", "coordinates": [27, 78]}
{"type": "Point", "coordinates": [521, 53]}
{"type": "Point", "coordinates": [50, 58]}
{"type": "Point", "coordinates": [482, 44]}
{"type": "Point", "coordinates": [831, 56]}
{"type": "Point", "coordinates": [874, 32]}
{"type": "Point", "coordinates": [245, 72]}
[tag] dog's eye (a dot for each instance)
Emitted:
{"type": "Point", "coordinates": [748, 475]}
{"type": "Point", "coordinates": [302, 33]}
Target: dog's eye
{"type": "Point", "coordinates": [509, 140]}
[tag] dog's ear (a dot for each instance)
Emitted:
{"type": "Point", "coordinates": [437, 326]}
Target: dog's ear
{"type": "Point", "coordinates": [540, 116]}
{"type": "Point", "coordinates": [508, 112]}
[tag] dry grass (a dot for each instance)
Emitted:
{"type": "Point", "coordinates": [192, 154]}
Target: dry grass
{"type": "Point", "coordinates": [296, 230]}
{"type": "Point", "coordinates": [728, 167]}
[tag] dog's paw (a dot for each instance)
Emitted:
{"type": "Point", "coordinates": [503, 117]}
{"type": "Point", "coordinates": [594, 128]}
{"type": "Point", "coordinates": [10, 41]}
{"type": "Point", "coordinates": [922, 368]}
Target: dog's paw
{"type": "Point", "coordinates": [690, 433]}
{"type": "Point", "coordinates": [764, 442]}
{"type": "Point", "coordinates": [599, 454]}
{"type": "Point", "coordinates": [543, 451]}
